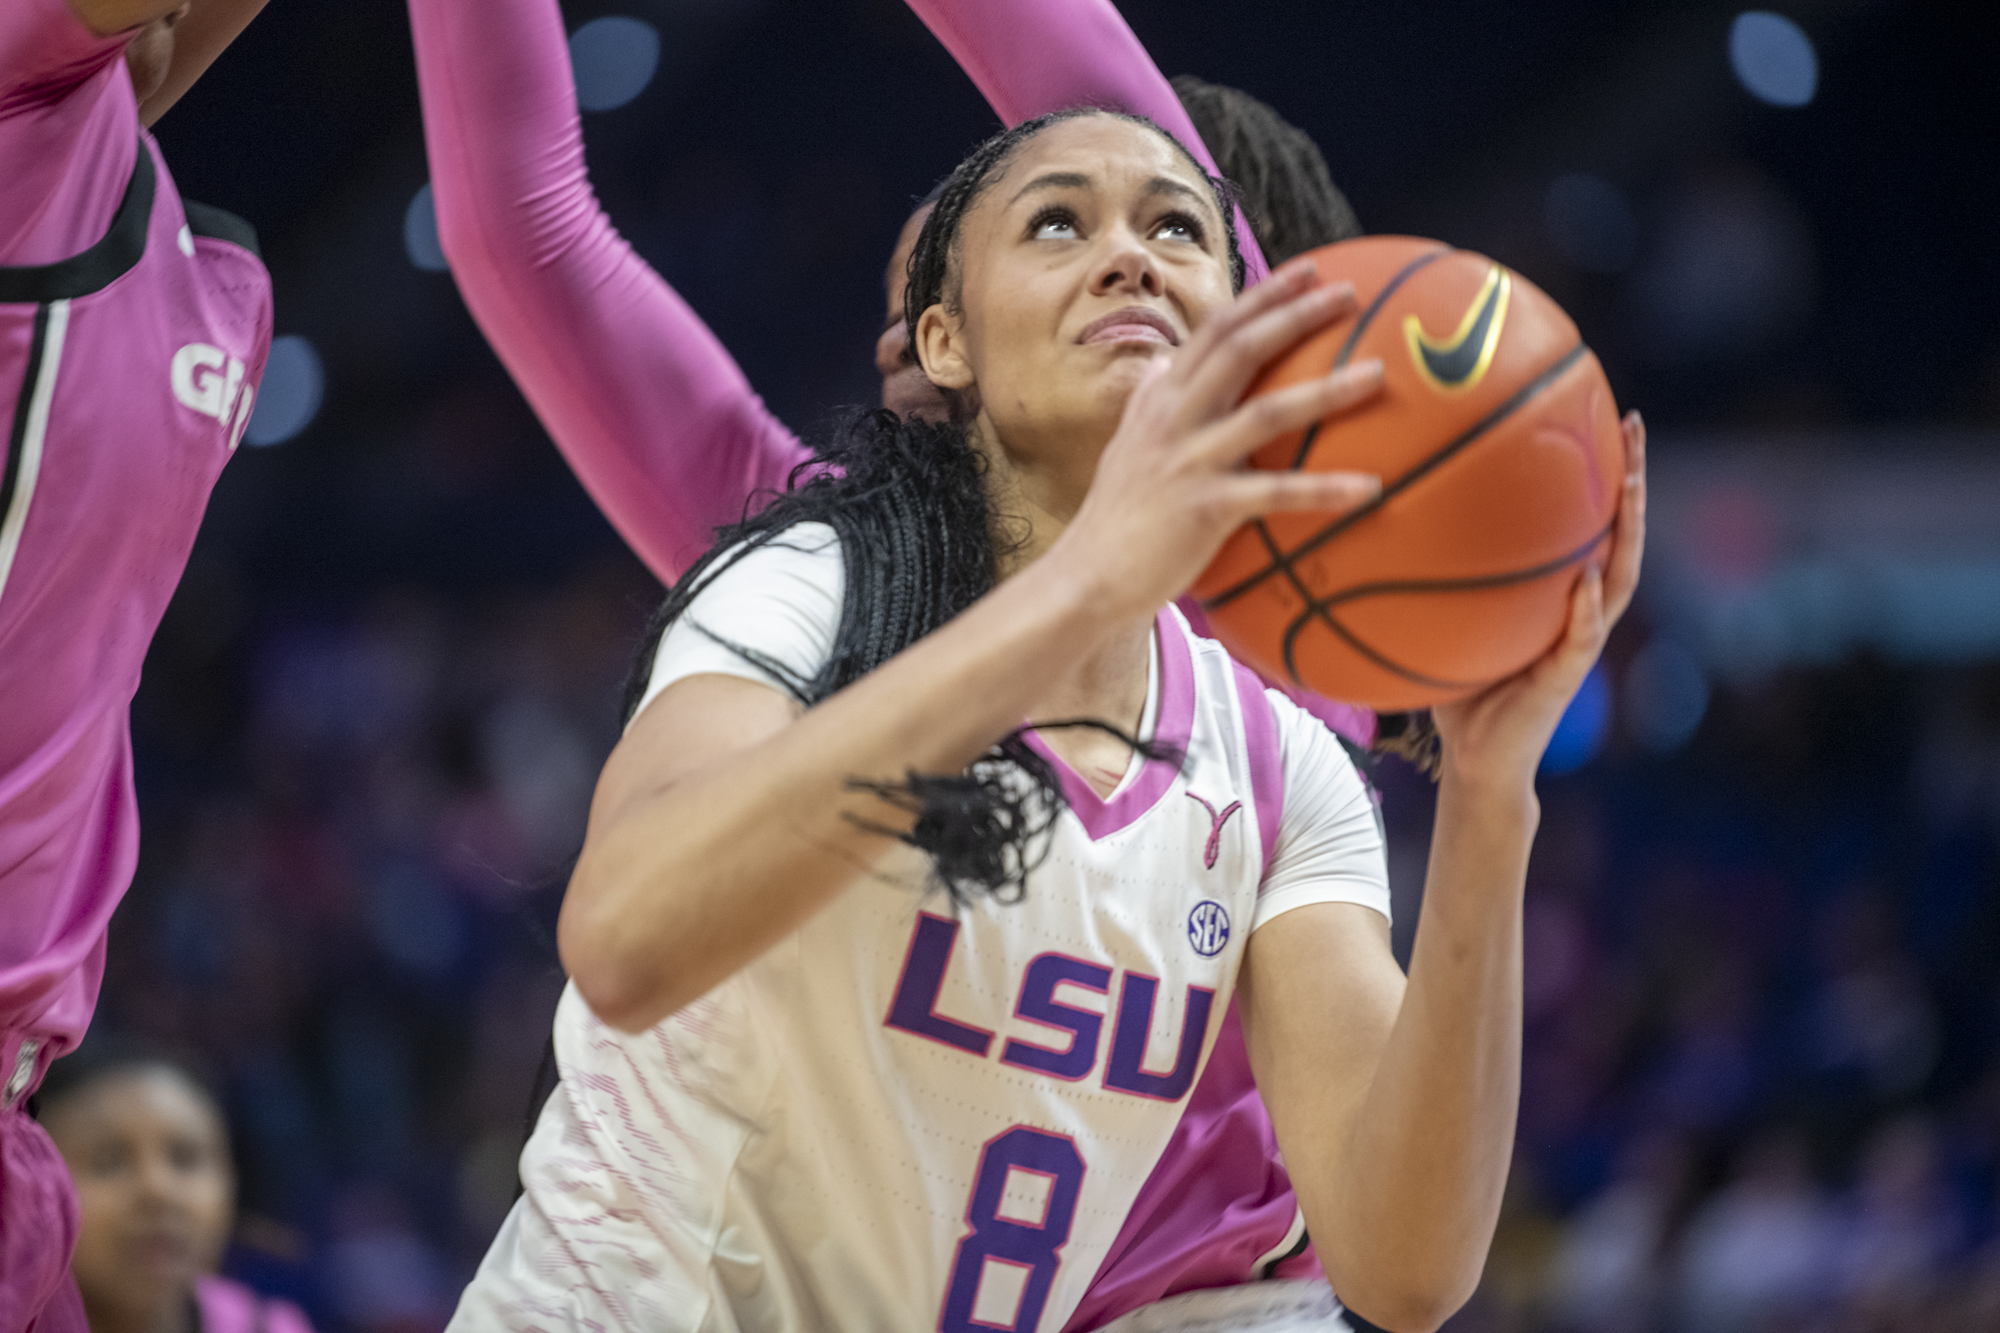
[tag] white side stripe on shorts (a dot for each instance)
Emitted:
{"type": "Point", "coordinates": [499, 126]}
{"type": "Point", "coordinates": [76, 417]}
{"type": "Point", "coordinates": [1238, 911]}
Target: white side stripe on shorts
{"type": "Point", "coordinates": [1283, 1249]}
{"type": "Point", "coordinates": [27, 464]}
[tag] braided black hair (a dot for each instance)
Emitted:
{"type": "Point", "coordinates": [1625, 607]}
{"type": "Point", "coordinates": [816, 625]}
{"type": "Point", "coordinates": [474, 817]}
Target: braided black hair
{"type": "Point", "coordinates": [919, 543]}
{"type": "Point", "coordinates": [1280, 176]}
{"type": "Point", "coordinates": [934, 261]}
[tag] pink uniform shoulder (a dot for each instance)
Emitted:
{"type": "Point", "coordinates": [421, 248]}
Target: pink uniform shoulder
{"type": "Point", "coordinates": [68, 130]}
{"type": "Point", "coordinates": [231, 1307]}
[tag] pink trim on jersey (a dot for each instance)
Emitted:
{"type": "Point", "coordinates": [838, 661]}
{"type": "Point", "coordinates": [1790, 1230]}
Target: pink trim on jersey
{"type": "Point", "coordinates": [1100, 817]}
{"type": "Point", "coordinates": [1353, 721]}
{"type": "Point", "coordinates": [1217, 1201]}
{"type": "Point", "coordinates": [1267, 762]}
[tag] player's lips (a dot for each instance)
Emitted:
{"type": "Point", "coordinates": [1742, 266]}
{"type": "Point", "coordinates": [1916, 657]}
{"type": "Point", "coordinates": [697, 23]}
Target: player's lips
{"type": "Point", "coordinates": [1134, 323]}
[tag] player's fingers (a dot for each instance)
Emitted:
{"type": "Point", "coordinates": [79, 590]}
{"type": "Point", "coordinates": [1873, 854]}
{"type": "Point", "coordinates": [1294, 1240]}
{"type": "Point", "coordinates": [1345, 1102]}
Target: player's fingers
{"type": "Point", "coordinates": [1242, 496]}
{"type": "Point", "coordinates": [1628, 547]}
{"type": "Point", "coordinates": [1216, 382]}
{"type": "Point", "coordinates": [1287, 282]}
{"type": "Point", "coordinates": [1267, 416]}
{"type": "Point", "coordinates": [1563, 668]}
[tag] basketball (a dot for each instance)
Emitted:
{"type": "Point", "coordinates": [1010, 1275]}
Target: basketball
{"type": "Point", "coordinates": [1498, 444]}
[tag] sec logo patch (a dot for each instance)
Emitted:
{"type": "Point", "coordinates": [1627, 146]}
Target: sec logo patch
{"type": "Point", "coordinates": [1208, 928]}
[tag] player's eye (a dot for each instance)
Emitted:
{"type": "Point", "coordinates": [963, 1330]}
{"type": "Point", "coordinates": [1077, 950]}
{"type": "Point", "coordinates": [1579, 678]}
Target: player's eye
{"type": "Point", "coordinates": [1053, 223]}
{"type": "Point", "coordinates": [1180, 227]}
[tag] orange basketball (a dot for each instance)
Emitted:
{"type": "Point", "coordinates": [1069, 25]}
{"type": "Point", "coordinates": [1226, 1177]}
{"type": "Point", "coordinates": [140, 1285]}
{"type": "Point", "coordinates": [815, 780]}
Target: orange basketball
{"type": "Point", "coordinates": [1497, 441]}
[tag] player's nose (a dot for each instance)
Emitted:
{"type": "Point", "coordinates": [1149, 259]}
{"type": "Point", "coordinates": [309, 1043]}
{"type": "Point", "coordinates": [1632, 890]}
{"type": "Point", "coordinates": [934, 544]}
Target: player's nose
{"type": "Point", "coordinates": [1125, 266]}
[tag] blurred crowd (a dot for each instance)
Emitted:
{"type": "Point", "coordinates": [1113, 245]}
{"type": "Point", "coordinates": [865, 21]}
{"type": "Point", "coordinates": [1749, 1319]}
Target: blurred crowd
{"type": "Point", "coordinates": [1762, 1074]}
{"type": "Point", "coordinates": [1761, 1087]}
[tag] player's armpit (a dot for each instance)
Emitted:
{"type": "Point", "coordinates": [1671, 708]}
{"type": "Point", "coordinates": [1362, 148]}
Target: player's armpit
{"type": "Point", "coordinates": [108, 17]}
{"type": "Point", "coordinates": [206, 31]}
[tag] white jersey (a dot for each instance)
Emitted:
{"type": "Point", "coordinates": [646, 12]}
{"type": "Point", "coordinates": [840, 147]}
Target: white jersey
{"type": "Point", "coordinates": [910, 1116]}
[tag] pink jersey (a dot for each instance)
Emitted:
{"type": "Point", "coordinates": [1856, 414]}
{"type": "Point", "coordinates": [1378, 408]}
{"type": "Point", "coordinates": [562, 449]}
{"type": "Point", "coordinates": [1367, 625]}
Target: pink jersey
{"type": "Point", "coordinates": [133, 332]}
{"type": "Point", "coordinates": [231, 1307]}
{"type": "Point", "coordinates": [669, 438]}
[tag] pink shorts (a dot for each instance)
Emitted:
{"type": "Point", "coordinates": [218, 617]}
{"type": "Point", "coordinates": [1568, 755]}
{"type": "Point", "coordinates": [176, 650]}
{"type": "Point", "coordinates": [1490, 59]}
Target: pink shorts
{"type": "Point", "coordinates": [38, 1224]}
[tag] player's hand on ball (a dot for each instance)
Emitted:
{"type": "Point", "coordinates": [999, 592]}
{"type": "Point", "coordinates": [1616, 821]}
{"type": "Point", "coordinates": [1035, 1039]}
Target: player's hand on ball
{"type": "Point", "coordinates": [1172, 484]}
{"type": "Point", "coordinates": [1499, 734]}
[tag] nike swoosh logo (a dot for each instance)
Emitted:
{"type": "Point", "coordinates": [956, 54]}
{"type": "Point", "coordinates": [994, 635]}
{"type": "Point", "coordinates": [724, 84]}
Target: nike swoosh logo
{"type": "Point", "coordinates": [1458, 363]}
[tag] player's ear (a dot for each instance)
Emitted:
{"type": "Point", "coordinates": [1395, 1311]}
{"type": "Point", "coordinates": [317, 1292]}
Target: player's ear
{"type": "Point", "coordinates": [940, 344]}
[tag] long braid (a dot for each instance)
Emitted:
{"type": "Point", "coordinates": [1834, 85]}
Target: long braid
{"type": "Point", "coordinates": [1281, 178]}
{"type": "Point", "coordinates": [909, 503]}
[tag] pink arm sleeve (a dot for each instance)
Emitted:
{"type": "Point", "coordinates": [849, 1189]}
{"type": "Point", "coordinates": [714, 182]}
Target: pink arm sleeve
{"type": "Point", "coordinates": [66, 140]}
{"type": "Point", "coordinates": [647, 406]}
{"type": "Point", "coordinates": [1030, 57]}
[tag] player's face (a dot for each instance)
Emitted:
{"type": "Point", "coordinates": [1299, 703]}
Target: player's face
{"type": "Point", "coordinates": [151, 1166]}
{"type": "Point", "coordinates": [150, 54]}
{"type": "Point", "coordinates": [1097, 250]}
{"type": "Point", "coordinates": [906, 390]}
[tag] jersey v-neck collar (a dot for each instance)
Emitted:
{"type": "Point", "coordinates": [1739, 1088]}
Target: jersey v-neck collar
{"type": "Point", "coordinates": [1173, 706]}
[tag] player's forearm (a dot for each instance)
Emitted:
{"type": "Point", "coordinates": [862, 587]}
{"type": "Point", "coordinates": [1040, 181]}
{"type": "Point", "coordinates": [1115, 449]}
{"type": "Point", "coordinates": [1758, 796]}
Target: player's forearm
{"type": "Point", "coordinates": [764, 838]}
{"type": "Point", "coordinates": [1429, 1148]}
{"type": "Point", "coordinates": [210, 26]}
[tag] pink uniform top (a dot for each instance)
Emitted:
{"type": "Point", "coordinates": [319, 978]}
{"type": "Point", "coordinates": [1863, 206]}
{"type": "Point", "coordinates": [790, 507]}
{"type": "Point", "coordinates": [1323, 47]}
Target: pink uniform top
{"type": "Point", "coordinates": [669, 439]}
{"type": "Point", "coordinates": [132, 333]}
{"type": "Point", "coordinates": [231, 1307]}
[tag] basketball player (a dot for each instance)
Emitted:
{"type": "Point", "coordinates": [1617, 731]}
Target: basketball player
{"type": "Point", "coordinates": [666, 433]}
{"type": "Point", "coordinates": [133, 332]}
{"type": "Point", "coordinates": [799, 1094]}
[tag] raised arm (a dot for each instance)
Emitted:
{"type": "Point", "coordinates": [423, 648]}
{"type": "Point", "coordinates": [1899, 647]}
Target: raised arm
{"type": "Point", "coordinates": [649, 409]}
{"type": "Point", "coordinates": [1394, 1105]}
{"type": "Point", "coordinates": [1028, 57]}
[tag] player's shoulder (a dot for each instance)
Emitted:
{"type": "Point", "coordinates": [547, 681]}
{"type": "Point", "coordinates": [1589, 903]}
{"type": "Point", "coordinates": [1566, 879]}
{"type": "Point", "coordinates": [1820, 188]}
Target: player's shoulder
{"type": "Point", "coordinates": [802, 555]}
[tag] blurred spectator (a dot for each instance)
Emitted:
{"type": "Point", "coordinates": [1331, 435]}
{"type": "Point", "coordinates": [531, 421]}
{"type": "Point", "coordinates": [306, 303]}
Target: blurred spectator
{"type": "Point", "coordinates": [1899, 1226]}
{"type": "Point", "coordinates": [1610, 1275]}
{"type": "Point", "coordinates": [148, 1150]}
{"type": "Point", "coordinates": [1763, 1247]}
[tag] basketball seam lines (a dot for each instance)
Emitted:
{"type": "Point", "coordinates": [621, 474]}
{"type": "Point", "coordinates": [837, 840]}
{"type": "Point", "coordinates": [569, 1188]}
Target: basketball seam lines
{"type": "Point", "coordinates": [1381, 298]}
{"type": "Point", "coordinates": [1409, 271]}
{"type": "Point", "coordinates": [1326, 534]}
{"type": "Point", "coordinates": [1318, 609]}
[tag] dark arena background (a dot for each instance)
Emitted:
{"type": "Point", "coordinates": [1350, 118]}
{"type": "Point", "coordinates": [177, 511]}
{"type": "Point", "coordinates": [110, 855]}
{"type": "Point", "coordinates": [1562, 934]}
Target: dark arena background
{"type": "Point", "coordinates": [1762, 1078]}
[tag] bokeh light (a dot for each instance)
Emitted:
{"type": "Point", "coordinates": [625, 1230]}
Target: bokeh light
{"type": "Point", "coordinates": [1773, 58]}
{"type": "Point", "coordinates": [289, 398]}
{"type": "Point", "coordinates": [614, 59]}
{"type": "Point", "coordinates": [420, 232]}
